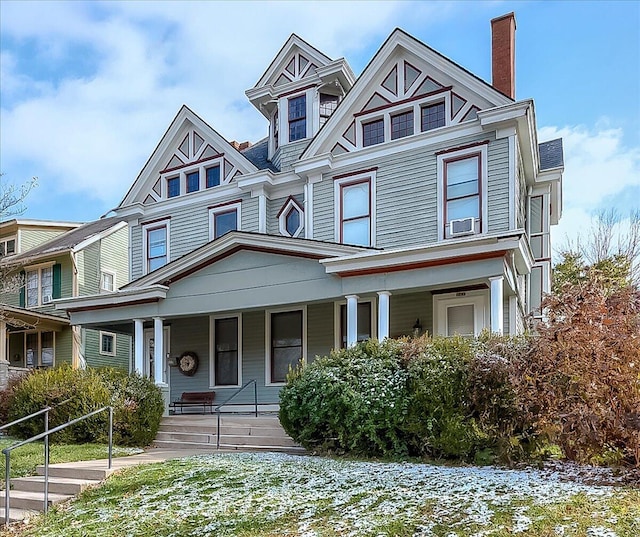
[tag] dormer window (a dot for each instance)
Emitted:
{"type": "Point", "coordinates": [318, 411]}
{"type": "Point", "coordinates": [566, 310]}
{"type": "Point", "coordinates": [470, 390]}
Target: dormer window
{"type": "Point", "coordinates": [173, 187]}
{"type": "Point", "coordinates": [297, 118]}
{"type": "Point", "coordinates": [213, 176]}
{"type": "Point", "coordinates": [328, 105]}
{"type": "Point", "coordinates": [433, 116]}
{"type": "Point", "coordinates": [7, 246]}
{"type": "Point", "coordinates": [402, 125]}
{"type": "Point", "coordinates": [193, 182]}
{"type": "Point", "coordinates": [373, 133]}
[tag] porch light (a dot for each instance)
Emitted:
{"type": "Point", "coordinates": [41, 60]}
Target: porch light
{"type": "Point", "coordinates": [417, 328]}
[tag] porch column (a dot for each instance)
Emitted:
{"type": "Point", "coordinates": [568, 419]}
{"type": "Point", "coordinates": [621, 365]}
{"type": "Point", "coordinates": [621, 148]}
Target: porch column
{"type": "Point", "coordinates": [158, 350]}
{"type": "Point", "coordinates": [352, 320]}
{"type": "Point", "coordinates": [497, 313]}
{"type": "Point", "coordinates": [383, 314]}
{"type": "Point", "coordinates": [138, 349]}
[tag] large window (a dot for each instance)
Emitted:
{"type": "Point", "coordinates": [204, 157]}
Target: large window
{"type": "Point", "coordinates": [297, 118]}
{"type": "Point", "coordinates": [39, 349]}
{"type": "Point", "coordinates": [223, 219]}
{"type": "Point", "coordinates": [364, 323]}
{"type": "Point", "coordinates": [38, 286]}
{"type": "Point", "coordinates": [286, 344]}
{"type": "Point", "coordinates": [157, 249]}
{"type": "Point", "coordinates": [433, 116]}
{"type": "Point", "coordinates": [373, 132]}
{"type": "Point", "coordinates": [355, 212]}
{"type": "Point", "coordinates": [227, 351]}
{"type": "Point", "coordinates": [462, 195]}
{"type": "Point", "coordinates": [402, 125]}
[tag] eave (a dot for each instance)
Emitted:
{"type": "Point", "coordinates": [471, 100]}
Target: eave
{"type": "Point", "coordinates": [125, 297]}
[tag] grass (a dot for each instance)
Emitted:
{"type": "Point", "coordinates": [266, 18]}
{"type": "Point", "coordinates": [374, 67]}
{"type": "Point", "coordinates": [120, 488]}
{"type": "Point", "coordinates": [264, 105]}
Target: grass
{"type": "Point", "coordinates": [268, 495]}
{"type": "Point", "coordinates": [25, 459]}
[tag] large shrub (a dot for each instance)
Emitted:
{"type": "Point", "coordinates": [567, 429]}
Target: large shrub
{"type": "Point", "coordinates": [353, 400]}
{"type": "Point", "coordinates": [72, 393]}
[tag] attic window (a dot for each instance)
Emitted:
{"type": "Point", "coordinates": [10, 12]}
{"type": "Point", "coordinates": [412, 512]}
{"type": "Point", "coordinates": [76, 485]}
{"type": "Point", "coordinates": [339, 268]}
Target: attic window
{"type": "Point", "coordinates": [402, 125]}
{"type": "Point", "coordinates": [373, 133]}
{"type": "Point", "coordinates": [173, 187]}
{"type": "Point", "coordinates": [193, 182]}
{"type": "Point", "coordinates": [213, 176]}
{"type": "Point", "coordinates": [297, 118]}
{"type": "Point", "coordinates": [328, 105]}
{"type": "Point", "coordinates": [7, 246]}
{"type": "Point", "coordinates": [433, 116]}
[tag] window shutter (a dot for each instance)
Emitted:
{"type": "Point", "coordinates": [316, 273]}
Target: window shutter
{"type": "Point", "coordinates": [23, 277]}
{"type": "Point", "coordinates": [57, 280]}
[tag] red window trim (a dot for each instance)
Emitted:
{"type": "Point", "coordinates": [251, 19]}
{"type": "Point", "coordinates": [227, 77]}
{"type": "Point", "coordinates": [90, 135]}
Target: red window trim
{"type": "Point", "coordinates": [342, 219]}
{"type": "Point", "coordinates": [220, 213]}
{"type": "Point", "coordinates": [479, 193]}
{"type": "Point", "coordinates": [427, 105]}
{"type": "Point", "coordinates": [166, 239]}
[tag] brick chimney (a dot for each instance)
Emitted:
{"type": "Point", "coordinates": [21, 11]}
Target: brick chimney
{"type": "Point", "coordinates": [503, 54]}
{"type": "Point", "coordinates": [240, 146]}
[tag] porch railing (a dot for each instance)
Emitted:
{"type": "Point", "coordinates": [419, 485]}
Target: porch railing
{"type": "Point", "coordinates": [226, 401]}
{"type": "Point", "coordinates": [47, 432]}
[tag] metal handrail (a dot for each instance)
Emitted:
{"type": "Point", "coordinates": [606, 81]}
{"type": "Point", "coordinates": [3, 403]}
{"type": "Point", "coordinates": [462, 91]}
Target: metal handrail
{"type": "Point", "coordinates": [255, 402]}
{"type": "Point", "coordinates": [20, 420]}
{"type": "Point", "coordinates": [45, 435]}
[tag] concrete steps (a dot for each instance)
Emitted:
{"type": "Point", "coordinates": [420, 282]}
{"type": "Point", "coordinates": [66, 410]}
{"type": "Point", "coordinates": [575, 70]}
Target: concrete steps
{"type": "Point", "coordinates": [57, 485]}
{"type": "Point", "coordinates": [17, 515]}
{"type": "Point", "coordinates": [237, 433]}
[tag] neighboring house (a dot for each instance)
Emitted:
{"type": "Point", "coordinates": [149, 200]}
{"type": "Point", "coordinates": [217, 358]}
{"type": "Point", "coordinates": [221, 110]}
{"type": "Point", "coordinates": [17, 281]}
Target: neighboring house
{"type": "Point", "coordinates": [415, 197]}
{"type": "Point", "coordinates": [59, 260]}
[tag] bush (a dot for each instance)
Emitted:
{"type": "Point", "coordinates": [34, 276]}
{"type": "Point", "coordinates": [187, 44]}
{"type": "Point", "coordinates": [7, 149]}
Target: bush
{"type": "Point", "coordinates": [353, 400]}
{"type": "Point", "coordinates": [73, 393]}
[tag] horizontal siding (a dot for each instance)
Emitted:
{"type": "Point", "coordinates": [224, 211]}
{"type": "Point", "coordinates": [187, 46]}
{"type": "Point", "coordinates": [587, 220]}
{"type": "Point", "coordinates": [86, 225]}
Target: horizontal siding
{"type": "Point", "coordinates": [406, 308]}
{"type": "Point", "coordinates": [114, 255]}
{"type": "Point", "coordinates": [250, 215]}
{"type": "Point", "coordinates": [273, 208]}
{"type": "Point", "coordinates": [89, 270]}
{"type": "Point", "coordinates": [30, 238]}
{"type": "Point", "coordinates": [290, 153]}
{"type": "Point", "coordinates": [320, 328]}
{"type": "Point", "coordinates": [94, 358]}
{"type": "Point", "coordinates": [498, 186]}
{"type": "Point", "coordinates": [64, 346]}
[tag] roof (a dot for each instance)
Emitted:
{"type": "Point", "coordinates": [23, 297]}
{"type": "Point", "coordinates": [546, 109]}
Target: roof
{"type": "Point", "coordinates": [551, 154]}
{"type": "Point", "coordinates": [69, 240]}
{"type": "Point", "coordinates": [257, 154]}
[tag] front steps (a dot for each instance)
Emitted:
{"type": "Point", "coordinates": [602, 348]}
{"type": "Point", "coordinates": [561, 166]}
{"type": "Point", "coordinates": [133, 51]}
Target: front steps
{"type": "Point", "coordinates": [237, 433]}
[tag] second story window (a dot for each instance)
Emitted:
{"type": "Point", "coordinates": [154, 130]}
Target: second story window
{"type": "Point", "coordinates": [173, 187]}
{"type": "Point", "coordinates": [355, 213]}
{"type": "Point", "coordinates": [7, 246]}
{"type": "Point", "coordinates": [193, 181]}
{"type": "Point", "coordinates": [402, 125]}
{"type": "Point", "coordinates": [297, 118]}
{"type": "Point", "coordinates": [224, 218]}
{"type": "Point", "coordinates": [433, 116]}
{"type": "Point", "coordinates": [373, 133]}
{"type": "Point", "coordinates": [107, 281]}
{"type": "Point", "coordinates": [38, 286]}
{"type": "Point", "coordinates": [156, 247]}
{"type": "Point", "coordinates": [462, 195]}
{"type": "Point", "coordinates": [213, 176]}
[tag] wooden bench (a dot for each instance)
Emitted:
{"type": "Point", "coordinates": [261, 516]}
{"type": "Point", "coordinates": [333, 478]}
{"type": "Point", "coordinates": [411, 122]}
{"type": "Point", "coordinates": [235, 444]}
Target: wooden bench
{"type": "Point", "coordinates": [189, 399]}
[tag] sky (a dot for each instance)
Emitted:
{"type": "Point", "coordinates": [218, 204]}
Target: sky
{"type": "Point", "coordinates": [87, 89]}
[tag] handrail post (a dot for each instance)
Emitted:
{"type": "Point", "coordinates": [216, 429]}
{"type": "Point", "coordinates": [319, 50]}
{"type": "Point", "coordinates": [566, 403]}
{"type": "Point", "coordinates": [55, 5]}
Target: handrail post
{"type": "Point", "coordinates": [255, 396]}
{"type": "Point", "coordinates": [218, 430]}
{"type": "Point", "coordinates": [46, 462]}
{"type": "Point", "coordinates": [110, 435]}
{"type": "Point", "coordinates": [7, 469]}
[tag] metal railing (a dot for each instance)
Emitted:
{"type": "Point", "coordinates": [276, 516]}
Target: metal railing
{"type": "Point", "coordinates": [255, 402]}
{"type": "Point", "coordinates": [44, 411]}
{"type": "Point", "coordinates": [47, 432]}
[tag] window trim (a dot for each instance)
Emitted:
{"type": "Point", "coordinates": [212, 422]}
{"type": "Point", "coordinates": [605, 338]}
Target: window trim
{"type": "Point", "coordinates": [221, 209]}
{"type": "Point", "coordinates": [5, 241]}
{"type": "Point", "coordinates": [39, 353]}
{"type": "Point", "coordinates": [354, 179]}
{"type": "Point", "coordinates": [305, 117]}
{"type": "Point", "coordinates": [186, 182]}
{"type": "Point", "coordinates": [545, 286]}
{"type": "Point", "coordinates": [282, 217]}
{"type": "Point", "coordinates": [111, 273]}
{"type": "Point", "coordinates": [37, 268]}
{"type": "Point", "coordinates": [267, 339]}
{"type": "Point", "coordinates": [108, 334]}
{"type": "Point", "coordinates": [201, 167]}
{"type": "Point", "coordinates": [337, 328]}
{"type": "Point", "coordinates": [479, 299]}
{"type": "Point", "coordinates": [398, 114]}
{"type": "Point", "coordinates": [166, 223]}
{"type": "Point", "coordinates": [423, 106]}
{"type": "Point", "coordinates": [481, 151]}
{"type": "Point", "coordinates": [212, 350]}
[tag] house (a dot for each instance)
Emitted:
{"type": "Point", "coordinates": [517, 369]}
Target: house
{"type": "Point", "coordinates": [60, 260]}
{"type": "Point", "coordinates": [415, 197]}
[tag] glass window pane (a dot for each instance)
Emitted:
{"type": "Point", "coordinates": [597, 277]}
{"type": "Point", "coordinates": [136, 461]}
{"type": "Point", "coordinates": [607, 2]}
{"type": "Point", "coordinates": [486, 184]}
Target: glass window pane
{"type": "Point", "coordinates": [373, 133]}
{"type": "Point", "coordinates": [32, 350]}
{"type": "Point", "coordinates": [31, 286]}
{"type": "Point", "coordinates": [157, 262]}
{"type": "Point", "coordinates": [286, 343]}
{"type": "Point", "coordinates": [297, 130]}
{"type": "Point", "coordinates": [536, 289]}
{"type": "Point", "coordinates": [536, 214]}
{"type": "Point", "coordinates": [463, 208]}
{"type": "Point", "coordinates": [225, 222]}
{"type": "Point", "coordinates": [226, 351]}
{"type": "Point", "coordinates": [46, 283]}
{"type": "Point", "coordinates": [355, 200]}
{"type": "Point", "coordinates": [536, 246]}
{"type": "Point", "coordinates": [462, 177]}
{"type": "Point", "coordinates": [460, 320]}
{"type": "Point", "coordinates": [11, 247]}
{"type": "Point", "coordinates": [401, 125]}
{"type": "Point", "coordinates": [357, 232]}
{"type": "Point", "coordinates": [297, 118]}
{"type": "Point", "coordinates": [193, 182]}
{"type": "Point", "coordinates": [173, 187]}
{"type": "Point", "coordinates": [281, 360]}
{"type": "Point", "coordinates": [433, 116]}
{"type": "Point", "coordinates": [292, 221]}
{"type": "Point", "coordinates": [157, 242]}
{"type": "Point", "coordinates": [213, 176]}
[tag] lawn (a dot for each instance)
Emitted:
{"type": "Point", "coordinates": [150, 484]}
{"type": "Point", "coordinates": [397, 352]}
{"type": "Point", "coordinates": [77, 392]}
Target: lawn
{"type": "Point", "coordinates": [279, 495]}
{"type": "Point", "coordinates": [25, 459]}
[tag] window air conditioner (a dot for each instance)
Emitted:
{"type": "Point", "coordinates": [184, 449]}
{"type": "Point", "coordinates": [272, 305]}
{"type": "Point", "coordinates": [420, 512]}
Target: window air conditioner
{"type": "Point", "coordinates": [46, 299]}
{"type": "Point", "coordinates": [462, 226]}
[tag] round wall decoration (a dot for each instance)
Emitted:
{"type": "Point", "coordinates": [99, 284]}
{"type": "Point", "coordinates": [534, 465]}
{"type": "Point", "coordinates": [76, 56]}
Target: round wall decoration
{"type": "Point", "coordinates": [188, 363]}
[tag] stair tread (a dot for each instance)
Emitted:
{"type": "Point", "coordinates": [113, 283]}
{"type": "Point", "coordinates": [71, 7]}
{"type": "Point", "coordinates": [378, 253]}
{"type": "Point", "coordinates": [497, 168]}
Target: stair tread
{"type": "Point", "coordinates": [56, 479]}
{"type": "Point", "coordinates": [16, 514]}
{"type": "Point", "coordinates": [28, 495]}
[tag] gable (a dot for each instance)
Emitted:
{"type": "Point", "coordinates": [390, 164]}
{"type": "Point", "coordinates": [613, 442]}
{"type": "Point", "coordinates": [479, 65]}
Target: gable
{"type": "Point", "coordinates": [404, 75]}
{"type": "Point", "coordinates": [189, 146]}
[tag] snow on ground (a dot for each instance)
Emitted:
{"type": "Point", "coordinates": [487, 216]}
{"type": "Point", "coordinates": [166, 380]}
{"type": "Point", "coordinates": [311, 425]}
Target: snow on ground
{"type": "Point", "coordinates": [365, 495]}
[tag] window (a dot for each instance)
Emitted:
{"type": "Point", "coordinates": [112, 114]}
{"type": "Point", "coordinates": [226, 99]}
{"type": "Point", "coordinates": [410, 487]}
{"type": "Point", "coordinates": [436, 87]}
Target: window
{"type": "Point", "coordinates": [364, 323]}
{"type": "Point", "coordinates": [39, 349]}
{"type": "Point", "coordinates": [462, 313]}
{"type": "Point", "coordinates": [373, 132]}
{"type": "Point", "coordinates": [107, 343]}
{"type": "Point", "coordinates": [213, 176]}
{"type": "Point", "coordinates": [107, 281]}
{"type": "Point", "coordinates": [355, 212]}
{"type": "Point", "coordinates": [539, 227]}
{"type": "Point", "coordinates": [156, 246]}
{"type": "Point", "coordinates": [460, 320]}
{"type": "Point", "coordinates": [173, 187]}
{"type": "Point", "coordinates": [276, 131]}
{"type": "Point", "coordinates": [227, 350]}
{"type": "Point", "coordinates": [193, 182]}
{"type": "Point", "coordinates": [433, 116]}
{"type": "Point", "coordinates": [462, 191]}
{"type": "Point", "coordinates": [297, 118]}
{"type": "Point", "coordinates": [286, 343]}
{"type": "Point", "coordinates": [7, 246]}
{"type": "Point", "coordinates": [539, 284]}
{"type": "Point", "coordinates": [38, 286]}
{"type": "Point", "coordinates": [401, 125]}
{"type": "Point", "coordinates": [223, 219]}
{"type": "Point", "coordinates": [328, 105]}
{"type": "Point", "coordinates": [290, 218]}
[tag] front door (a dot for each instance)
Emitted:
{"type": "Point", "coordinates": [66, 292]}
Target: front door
{"type": "Point", "coordinates": [150, 362]}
